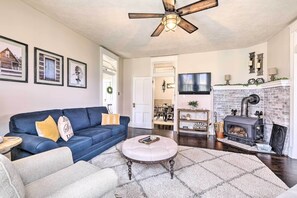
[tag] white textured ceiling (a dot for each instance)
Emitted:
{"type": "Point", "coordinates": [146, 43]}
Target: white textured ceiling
{"type": "Point", "coordinates": [233, 24]}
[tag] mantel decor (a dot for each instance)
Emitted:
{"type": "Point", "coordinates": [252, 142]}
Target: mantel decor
{"type": "Point", "coordinates": [259, 64]}
{"type": "Point", "coordinates": [252, 62]}
{"type": "Point", "coordinates": [13, 60]}
{"type": "Point", "coordinates": [272, 72]}
{"type": "Point", "coordinates": [49, 68]}
{"type": "Point", "coordinates": [77, 73]}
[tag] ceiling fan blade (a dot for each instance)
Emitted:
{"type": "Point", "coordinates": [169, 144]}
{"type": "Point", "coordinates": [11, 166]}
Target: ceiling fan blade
{"type": "Point", "coordinates": [144, 15]}
{"type": "Point", "coordinates": [197, 6]}
{"type": "Point", "coordinates": [169, 5]}
{"type": "Point", "coordinates": [187, 26]}
{"type": "Point", "coordinates": [158, 30]}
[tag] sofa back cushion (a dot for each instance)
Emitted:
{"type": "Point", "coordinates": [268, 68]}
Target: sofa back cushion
{"type": "Point", "coordinates": [25, 122]}
{"type": "Point", "coordinates": [11, 182]}
{"type": "Point", "coordinates": [78, 117]}
{"type": "Point", "coordinates": [95, 114]}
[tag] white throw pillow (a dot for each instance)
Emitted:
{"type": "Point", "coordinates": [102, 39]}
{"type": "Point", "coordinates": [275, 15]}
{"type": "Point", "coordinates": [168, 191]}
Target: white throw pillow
{"type": "Point", "coordinates": [65, 128]}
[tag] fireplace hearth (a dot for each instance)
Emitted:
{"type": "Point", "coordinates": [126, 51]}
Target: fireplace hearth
{"type": "Point", "coordinates": [274, 104]}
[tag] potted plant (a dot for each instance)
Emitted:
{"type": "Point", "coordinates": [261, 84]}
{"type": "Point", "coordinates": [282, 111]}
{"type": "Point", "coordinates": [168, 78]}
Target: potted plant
{"type": "Point", "coordinates": [193, 104]}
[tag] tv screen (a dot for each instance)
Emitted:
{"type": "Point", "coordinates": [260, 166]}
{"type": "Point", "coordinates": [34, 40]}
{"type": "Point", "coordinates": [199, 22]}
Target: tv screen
{"type": "Point", "coordinates": [194, 83]}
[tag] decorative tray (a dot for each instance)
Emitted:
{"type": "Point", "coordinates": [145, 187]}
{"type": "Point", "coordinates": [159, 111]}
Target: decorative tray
{"type": "Point", "coordinates": [148, 140]}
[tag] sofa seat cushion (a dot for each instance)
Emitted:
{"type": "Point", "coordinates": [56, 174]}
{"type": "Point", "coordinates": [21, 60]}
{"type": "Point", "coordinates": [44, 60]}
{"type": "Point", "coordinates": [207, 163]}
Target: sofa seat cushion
{"type": "Point", "coordinates": [97, 134]}
{"type": "Point", "coordinates": [115, 129]}
{"type": "Point", "coordinates": [76, 143]}
{"type": "Point", "coordinates": [52, 183]}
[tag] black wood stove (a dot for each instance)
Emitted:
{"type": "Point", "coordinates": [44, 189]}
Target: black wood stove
{"type": "Point", "coordinates": [244, 129]}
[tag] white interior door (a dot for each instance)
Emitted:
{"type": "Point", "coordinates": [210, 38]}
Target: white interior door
{"type": "Point", "coordinates": [142, 109]}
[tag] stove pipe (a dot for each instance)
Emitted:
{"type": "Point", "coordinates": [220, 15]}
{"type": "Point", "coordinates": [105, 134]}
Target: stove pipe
{"type": "Point", "coordinates": [253, 99]}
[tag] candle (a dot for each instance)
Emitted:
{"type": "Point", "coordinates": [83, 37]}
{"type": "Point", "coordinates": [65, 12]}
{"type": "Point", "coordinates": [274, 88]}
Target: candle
{"type": "Point", "coordinates": [258, 65]}
{"type": "Point", "coordinates": [250, 63]}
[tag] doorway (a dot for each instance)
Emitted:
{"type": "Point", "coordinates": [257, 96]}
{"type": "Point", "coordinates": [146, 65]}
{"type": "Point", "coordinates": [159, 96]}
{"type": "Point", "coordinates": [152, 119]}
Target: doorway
{"type": "Point", "coordinates": [109, 80]}
{"type": "Point", "coordinates": [164, 102]}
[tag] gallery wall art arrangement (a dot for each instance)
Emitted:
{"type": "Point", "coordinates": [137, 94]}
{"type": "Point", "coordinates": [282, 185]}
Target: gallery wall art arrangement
{"type": "Point", "coordinates": [48, 66]}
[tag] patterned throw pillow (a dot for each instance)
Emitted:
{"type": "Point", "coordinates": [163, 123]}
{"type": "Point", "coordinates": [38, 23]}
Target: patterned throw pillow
{"type": "Point", "coordinates": [110, 119]}
{"type": "Point", "coordinates": [48, 129]}
{"type": "Point", "coordinates": [65, 128]}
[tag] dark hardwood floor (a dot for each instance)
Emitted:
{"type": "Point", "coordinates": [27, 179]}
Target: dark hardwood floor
{"type": "Point", "coordinates": [284, 167]}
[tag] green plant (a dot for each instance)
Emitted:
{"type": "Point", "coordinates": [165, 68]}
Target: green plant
{"type": "Point", "coordinates": [193, 103]}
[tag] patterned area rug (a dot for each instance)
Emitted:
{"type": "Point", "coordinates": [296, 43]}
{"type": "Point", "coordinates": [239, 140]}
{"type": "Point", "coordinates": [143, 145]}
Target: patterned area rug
{"type": "Point", "coordinates": [198, 173]}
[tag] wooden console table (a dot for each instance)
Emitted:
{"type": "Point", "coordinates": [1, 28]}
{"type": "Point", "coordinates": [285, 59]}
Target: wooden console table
{"type": "Point", "coordinates": [193, 121]}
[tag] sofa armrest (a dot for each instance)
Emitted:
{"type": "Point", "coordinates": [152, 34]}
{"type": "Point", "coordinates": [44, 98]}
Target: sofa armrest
{"type": "Point", "coordinates": [124, 120]}
{"type": "Point", "coordinates": [94, 185]}
{"type": "Point", "coordinates": [33, 143]}
{"type": "Point", "coordinates": [38, 166]}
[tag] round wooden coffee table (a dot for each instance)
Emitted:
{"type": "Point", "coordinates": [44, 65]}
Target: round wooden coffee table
{"type": "Point", "coordinates": [163, 150]}
{"type": "Point", "coordinates": [9, 143]}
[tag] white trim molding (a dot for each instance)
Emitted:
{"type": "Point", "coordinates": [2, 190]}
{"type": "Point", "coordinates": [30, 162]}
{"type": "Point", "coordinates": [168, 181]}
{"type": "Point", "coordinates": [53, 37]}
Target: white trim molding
{"type": "Point", "coordinates": [293, 91]}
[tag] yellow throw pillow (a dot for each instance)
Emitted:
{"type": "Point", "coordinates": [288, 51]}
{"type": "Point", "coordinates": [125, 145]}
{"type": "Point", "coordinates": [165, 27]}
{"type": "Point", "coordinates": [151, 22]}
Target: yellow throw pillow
{"type": "Point", "coordinates": [48, 129]}
{"type": "Point", "coordinates": [110, 119]}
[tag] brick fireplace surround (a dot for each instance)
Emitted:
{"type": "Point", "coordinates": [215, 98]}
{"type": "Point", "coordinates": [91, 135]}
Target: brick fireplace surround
{"type": "Point", "coordinates": [274, 103]}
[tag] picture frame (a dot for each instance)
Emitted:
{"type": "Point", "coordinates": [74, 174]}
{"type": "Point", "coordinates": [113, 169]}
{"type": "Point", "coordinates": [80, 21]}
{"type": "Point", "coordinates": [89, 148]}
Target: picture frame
{"type": "Point", "coordinates": [77, 73]}
{"type": "Point", "coordinates": [49, 68]}
{"type": "Point", "coordinates": [13, 60]}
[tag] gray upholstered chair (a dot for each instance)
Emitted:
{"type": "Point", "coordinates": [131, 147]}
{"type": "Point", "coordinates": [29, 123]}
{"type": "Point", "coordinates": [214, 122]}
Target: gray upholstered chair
{"type": "Point", "coordinates": [53, 174]}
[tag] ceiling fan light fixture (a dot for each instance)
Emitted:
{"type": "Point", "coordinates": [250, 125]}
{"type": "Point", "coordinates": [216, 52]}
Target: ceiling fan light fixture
{"type": "Point", "coordinates": [170, 21]}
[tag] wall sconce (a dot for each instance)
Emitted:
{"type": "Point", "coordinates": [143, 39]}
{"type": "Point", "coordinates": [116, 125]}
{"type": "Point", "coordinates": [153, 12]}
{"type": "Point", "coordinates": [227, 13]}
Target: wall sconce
{"type": "Point", "coordinates": [170, 85]}
{"type": "Point", "coordinates": [164, 86]}
{"type": "Point", "coordinates": [252, 62]}
{"type": "Point", "coordinates": [272, 72]}
{"type": "Point", "coordinates": [227, 79]}
{"type": "Point", "coordinates": [259, 65]}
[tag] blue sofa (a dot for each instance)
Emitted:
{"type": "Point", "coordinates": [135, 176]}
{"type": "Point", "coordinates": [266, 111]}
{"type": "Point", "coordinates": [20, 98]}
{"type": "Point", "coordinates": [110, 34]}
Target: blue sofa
{"type": "Point", "coordinates": [90, 137]}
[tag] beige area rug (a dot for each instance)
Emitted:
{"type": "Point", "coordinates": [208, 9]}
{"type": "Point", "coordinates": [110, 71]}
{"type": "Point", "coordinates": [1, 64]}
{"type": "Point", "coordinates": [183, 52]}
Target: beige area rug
{"type": "Point", "coordinates": [198, 173]}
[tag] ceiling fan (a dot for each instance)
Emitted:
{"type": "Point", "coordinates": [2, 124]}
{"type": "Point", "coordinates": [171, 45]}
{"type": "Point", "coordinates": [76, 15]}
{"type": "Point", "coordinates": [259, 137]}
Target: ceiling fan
{"type": "Point", "coordinates": [173, 17]}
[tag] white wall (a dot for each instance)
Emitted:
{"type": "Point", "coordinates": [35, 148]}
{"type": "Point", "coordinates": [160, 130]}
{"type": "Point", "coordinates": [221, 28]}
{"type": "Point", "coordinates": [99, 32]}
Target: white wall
{"type": "Point", "coordinates": [168, 93]}
{"type": "Point", "coordinates": [23, 23]}
{"type": "Point", "coordinates": [278, 48]}
{"type": "Point", "coordinates": [137, 67]}
{"type": "Point", "coordinates": [219, 63]}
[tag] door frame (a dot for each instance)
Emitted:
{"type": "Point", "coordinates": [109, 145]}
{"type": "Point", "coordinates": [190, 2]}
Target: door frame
{"type": "Point", "coordinates": [293, 91]}
{"type": "Point", "coordinates": [173, 60]}
{"type": "Point", "coordinates": [102, 52]}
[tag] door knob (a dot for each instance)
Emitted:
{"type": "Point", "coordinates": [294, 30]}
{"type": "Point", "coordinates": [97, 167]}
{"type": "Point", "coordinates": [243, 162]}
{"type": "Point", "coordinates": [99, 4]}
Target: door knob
{"type": "Point", "coordinates": [133, 105]}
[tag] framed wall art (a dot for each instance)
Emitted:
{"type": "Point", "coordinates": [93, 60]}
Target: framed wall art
{"type": "Point", "coordinates": [13, 60]}
{"type": "Point", "coordinates": [77, 73]}
{"type": "Point", "coordinates": [48, 68]}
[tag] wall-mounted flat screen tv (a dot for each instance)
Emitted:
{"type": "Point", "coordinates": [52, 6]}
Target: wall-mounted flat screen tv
{"type": "Point", "coordinates": [194, 83]}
